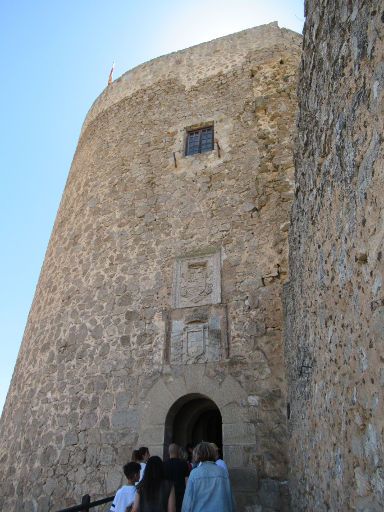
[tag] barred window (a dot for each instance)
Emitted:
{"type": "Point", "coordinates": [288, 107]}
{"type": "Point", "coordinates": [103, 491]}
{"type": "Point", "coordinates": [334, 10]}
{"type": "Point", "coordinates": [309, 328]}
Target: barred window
{"type": "Point", "coordinates": [199, 141]}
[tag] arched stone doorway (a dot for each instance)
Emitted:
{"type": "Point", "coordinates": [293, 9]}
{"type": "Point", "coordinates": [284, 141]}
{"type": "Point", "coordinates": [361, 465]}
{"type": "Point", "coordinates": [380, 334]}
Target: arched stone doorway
{"type": "Point", "coordinates": [191, 419]}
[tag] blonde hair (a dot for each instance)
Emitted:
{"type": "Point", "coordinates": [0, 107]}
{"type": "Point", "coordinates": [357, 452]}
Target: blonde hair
{"type": "Point", "coordinates": [204, 452]}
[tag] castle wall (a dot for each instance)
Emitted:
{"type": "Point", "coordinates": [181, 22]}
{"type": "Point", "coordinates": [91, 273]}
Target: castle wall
{"type": "Point", "coordinates": [162, 279]}
{"type": "Point", "coordinates": [335, 301]}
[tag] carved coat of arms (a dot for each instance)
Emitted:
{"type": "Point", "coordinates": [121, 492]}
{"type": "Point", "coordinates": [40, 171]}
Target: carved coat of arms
{"type": "Point", "coordinates": [196, 282]}
{"type": "Point", "coordinates": [196, 339]}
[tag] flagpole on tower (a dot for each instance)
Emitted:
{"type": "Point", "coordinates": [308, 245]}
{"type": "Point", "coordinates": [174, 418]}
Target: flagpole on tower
{"type": "Point", "coordinates": [110, 79]}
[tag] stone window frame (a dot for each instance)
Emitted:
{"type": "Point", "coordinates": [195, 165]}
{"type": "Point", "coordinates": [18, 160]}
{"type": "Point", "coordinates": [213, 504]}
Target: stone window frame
{"type": "Point", "coordinates": [198, 128]}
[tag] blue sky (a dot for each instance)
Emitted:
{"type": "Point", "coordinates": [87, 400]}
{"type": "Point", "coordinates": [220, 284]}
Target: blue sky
{"type": "Point", "coordinates": [55, 60]}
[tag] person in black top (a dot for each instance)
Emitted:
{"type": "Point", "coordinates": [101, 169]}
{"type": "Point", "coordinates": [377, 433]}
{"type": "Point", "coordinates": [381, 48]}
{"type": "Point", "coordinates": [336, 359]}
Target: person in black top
{"type": "Point", "coordinates": [177, 471]}
{"type": "Point", "coordinates": [154, 492]}
{"type": "Point", "coordinates": [189, 449]}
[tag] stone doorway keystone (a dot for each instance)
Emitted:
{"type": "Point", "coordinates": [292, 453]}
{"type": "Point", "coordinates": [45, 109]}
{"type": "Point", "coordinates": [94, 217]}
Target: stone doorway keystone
{"type": "Point", "coordinates": [191, 419]}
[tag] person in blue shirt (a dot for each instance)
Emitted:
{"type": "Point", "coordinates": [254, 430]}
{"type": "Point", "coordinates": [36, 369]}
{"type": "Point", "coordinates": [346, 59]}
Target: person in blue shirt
{"type": "Point", "coordinates": [208, 488]}
{"type": "Point", "coordinates": [219, 461]}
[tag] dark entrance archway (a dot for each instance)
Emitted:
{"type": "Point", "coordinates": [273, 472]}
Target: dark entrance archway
{"type": "Point", "coordinates": [191, 419]}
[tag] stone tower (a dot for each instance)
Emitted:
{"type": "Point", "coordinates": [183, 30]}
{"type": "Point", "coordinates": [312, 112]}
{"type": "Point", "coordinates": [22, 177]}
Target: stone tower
{"type": "Point", "coordinates": [157, 316]}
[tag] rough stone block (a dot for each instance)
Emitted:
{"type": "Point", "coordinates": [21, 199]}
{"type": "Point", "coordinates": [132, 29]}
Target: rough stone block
{"type": "Point", "coordinates": [231, 391]}
{"type": "Point", "coordinates": [151, 435]}
{"type": "Point", "coordinates": [234, 456]}
{"type": "Point", "coordinates": [113, 479]}
{"type": "Point", "coordinates": [70, 438]}
{"type": "Point", "coordinates": [244, 479]}
{"type": "Point", "coordinates": [125, 419]}
{"type": "Point", "coordinates": [239, 433]}
{"type": "Point", "coordinates": [270, 494]}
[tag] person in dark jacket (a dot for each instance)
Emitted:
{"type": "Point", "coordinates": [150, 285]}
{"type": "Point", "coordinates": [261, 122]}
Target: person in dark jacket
{"type": "Point", "coordinates": [177, 471]}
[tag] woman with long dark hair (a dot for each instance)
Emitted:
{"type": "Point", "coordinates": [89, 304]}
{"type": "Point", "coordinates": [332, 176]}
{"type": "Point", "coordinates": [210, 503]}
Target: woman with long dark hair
{"type": "Point", "coordinates": [154, 492]}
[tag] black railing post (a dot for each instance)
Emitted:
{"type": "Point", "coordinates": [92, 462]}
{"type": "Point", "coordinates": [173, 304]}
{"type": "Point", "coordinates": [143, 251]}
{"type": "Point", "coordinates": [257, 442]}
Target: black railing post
{"type": "Point", "coordinates": [86, 504]}
{"type": "Point", "coordinates": [86, 500]}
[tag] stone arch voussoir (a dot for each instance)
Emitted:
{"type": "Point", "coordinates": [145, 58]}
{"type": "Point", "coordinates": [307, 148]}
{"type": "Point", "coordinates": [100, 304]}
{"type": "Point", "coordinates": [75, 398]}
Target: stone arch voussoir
{"type": "Point", "coordinates": [228, 395]}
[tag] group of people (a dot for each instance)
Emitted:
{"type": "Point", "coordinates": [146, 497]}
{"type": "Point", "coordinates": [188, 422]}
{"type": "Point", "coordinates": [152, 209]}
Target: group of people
{"type": "Point", "coordinates": [186, 482]}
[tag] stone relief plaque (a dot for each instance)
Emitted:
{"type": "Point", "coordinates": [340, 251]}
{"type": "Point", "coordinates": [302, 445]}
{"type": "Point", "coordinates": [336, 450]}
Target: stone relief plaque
{"type": "Point", "coordinates": [197, 281]}
{"type": "Point", "coordinates": [195, 341]}
{"type": "Point", "coordinates": [197, 335]}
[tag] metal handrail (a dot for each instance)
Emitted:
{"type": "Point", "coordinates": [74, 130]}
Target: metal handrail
{"type": "Point", "coordinates": [86, 504]}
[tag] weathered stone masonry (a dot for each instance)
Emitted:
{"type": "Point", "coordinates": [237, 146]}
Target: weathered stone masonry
{"type": "Point", "coordinates": [162, 281]}
{"type": "Point", "coordinates": [335, 300]}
